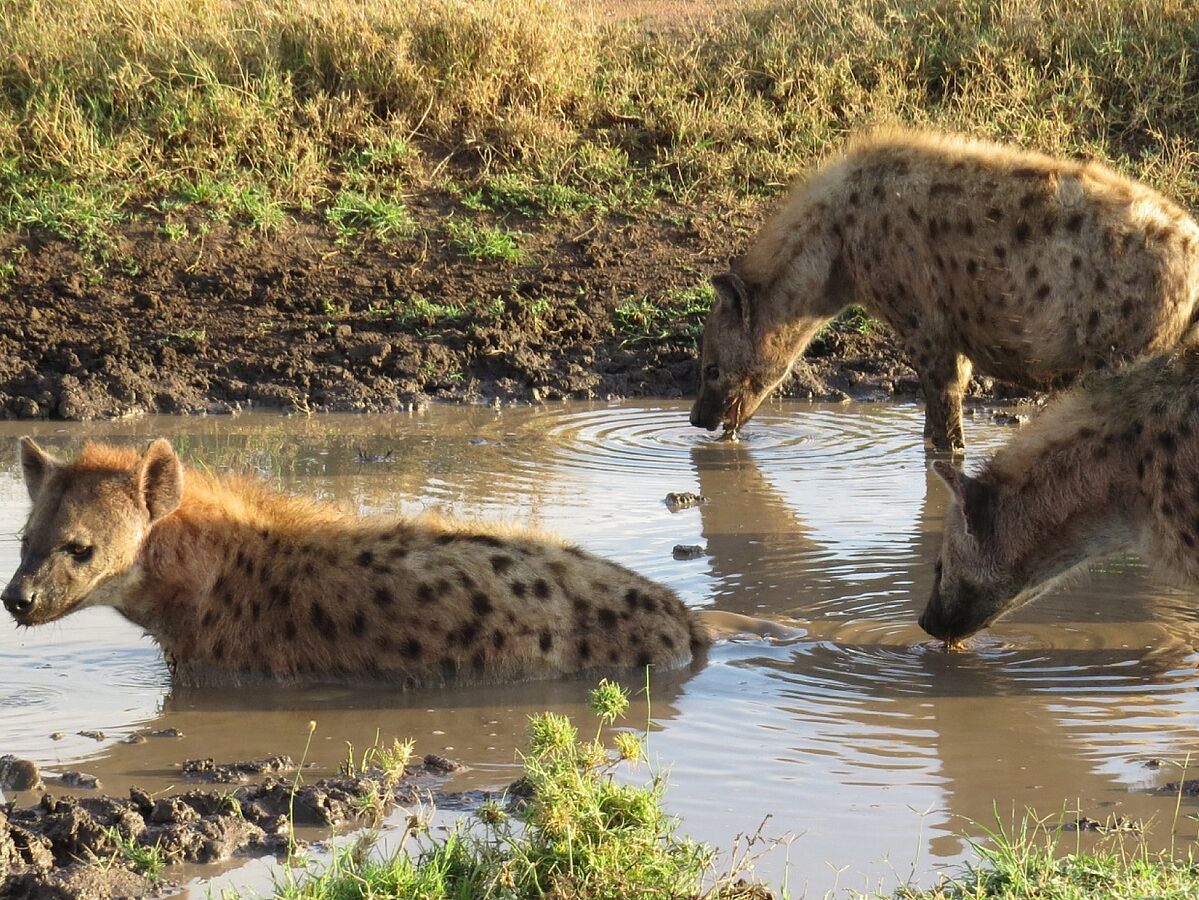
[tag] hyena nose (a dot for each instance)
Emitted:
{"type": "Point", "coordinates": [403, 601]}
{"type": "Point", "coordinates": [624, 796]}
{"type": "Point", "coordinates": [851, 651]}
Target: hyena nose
{"type": "Point", "coordinates": [17, 601]}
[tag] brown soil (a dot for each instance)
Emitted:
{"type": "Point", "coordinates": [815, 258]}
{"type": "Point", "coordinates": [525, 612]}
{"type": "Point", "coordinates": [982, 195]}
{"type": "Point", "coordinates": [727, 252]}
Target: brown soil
{"type": "Point", "coordinates": [297, 322]}
{"type": "Point", "coordinates": [67, 848]}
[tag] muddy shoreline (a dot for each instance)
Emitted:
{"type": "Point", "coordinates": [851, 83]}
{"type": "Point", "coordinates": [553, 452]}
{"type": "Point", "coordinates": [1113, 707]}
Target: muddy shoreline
{"type": "Point", "coordinates": [88, 847]}
{"type": "Point", "coordinates": [299, 321]}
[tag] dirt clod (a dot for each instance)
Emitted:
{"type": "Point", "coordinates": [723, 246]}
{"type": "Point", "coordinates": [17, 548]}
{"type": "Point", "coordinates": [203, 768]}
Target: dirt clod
{"type": "Point", "coordinates": [688, 551]}
{"type": "Point", "coordinates": [18, 774]}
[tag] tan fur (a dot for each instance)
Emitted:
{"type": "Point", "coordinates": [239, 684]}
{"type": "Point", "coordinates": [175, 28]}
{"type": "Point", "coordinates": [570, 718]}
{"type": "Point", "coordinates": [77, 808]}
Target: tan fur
{"type": "Point", "coordinates": [1111, 466]}
{"type": "Point", "coordinates": [1031, 268]}
{"type": "Point", "coordinates": [240, 582]}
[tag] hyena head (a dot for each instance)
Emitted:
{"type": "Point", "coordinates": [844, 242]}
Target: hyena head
{"type": "Point", "coordinates": [736, 375]}
{"type": "Point", "coordinates": [972, 586]}
{"type": "Point", "coordinates": [85, 528]}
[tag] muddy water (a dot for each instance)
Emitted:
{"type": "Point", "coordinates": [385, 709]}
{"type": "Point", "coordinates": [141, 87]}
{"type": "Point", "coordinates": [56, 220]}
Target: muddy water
{"type": "Point", "coordinates": [873, 747]}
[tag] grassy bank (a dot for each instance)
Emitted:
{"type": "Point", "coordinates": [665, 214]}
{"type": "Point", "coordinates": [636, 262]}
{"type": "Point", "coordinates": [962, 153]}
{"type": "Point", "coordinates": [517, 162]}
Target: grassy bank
{"type": "Point", "coordinates": [259, 111]}
{"type": "Point", "coordinates": [569, 830]}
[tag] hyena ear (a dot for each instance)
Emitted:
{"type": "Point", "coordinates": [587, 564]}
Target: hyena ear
{"type": "Point", "coordinates": [976, 497]}
{"type": "Point", "coordinates": [36, 464]}
{"type": "Point", "coordinates": [158, 479]}
{"type": "Point", "coordinates": [732, 290]}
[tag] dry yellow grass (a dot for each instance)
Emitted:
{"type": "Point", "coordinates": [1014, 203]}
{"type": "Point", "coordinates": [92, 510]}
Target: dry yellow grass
{"type": "Point", "coordinates": [260, 107]}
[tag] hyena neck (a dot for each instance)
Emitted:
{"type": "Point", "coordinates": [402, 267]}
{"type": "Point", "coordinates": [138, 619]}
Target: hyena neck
{"type": "Point", "coordinates": [1058, 512]}
{"type": "Point", "coordinates": [179, 556]}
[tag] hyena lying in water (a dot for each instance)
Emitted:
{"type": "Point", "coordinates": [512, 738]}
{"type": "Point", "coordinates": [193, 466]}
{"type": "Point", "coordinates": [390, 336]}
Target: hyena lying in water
{"type": "Point", "coordinates": [1031, 268]}
{"type": "Point", "coordinates": [236, 582]}
{"type": "Point", "coordinates": [1112, 465]}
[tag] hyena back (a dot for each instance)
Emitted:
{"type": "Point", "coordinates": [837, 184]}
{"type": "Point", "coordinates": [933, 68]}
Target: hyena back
{"type": "Point", "coordinates": [1030, 268]}
{"type": "Point", "coordinates": [1110, 466]}
{"type": "Point", "coordinates": [239, 583]}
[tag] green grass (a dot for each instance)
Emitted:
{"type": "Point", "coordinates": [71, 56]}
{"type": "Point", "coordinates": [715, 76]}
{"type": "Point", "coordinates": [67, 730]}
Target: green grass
{"type": "Point", "coordinates": [1026, 862]}
{"type": "Point", "coordinates": [255, 112]}
{"type": "Point", "coordinates": [485, 243]}
{"type": "Point", "coordinates": [145, 860]}
{"type": "Point", "coordinates": [581, 834]}
{"type": "Point", "coordinates": [679, 313]}
{"type": "Point", "coordinates": [351, 212]}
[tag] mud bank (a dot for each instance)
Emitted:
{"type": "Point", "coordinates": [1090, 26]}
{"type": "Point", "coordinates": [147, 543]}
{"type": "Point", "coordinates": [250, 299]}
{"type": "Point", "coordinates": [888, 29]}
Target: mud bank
{"type": "Point", "coordinates": [301, 321]}
{"type": "Point", "coordinates": [96, 847]}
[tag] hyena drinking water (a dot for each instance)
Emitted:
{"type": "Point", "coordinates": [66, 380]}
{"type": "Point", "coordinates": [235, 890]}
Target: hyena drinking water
{"type": "Point", "coordinates": [237, 582]}
{"type": "Point", "coordinates": [1112, 465]}
{"type": "Point", "coordinates": [1030, 268]}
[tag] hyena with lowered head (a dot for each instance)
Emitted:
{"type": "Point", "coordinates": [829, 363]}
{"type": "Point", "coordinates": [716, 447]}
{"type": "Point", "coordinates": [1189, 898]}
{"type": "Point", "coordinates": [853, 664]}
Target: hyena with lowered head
{"type": "Point", "coordinates": [1030, 268]}
{"type": "Point", "coordinates": [1112, 465]}
{"type": "Point", "coordinates": [238, 583]}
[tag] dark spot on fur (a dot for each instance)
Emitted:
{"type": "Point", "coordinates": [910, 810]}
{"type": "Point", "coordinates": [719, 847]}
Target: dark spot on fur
{"type": "Point", "coordinates": [486, 540]}
{"type": "Point", "coordinates": [218, 649]}
{"type": "Point", "coordinates": [322, 623]}
{"type": "Point", "coordinates": [443, 539]}
{"type": "Point", "coordinates": [519, 589]}
{"type": "Point", "coordinates": [545, 641]}
{"type": "Point", "coordinates": [1075, 262]}
{"type": "Point", "coordinates": [644, 659]}
{"type": "Point", "coordinates": [358, 625]}
{"type": "Point", "coordinates": [1126, 309]}
{"type": "Point", "coordinates": [1021, 232]}
{"type": "Point", "coordinates": [384, 597]}
{"type": "Point", "coordinates": [289, 630]}
{"type": "Point", "coordinates": [1000, 251]}
{"type": "Point", "coordinates": [1074, 222]}
{"type": "Point", "coordinates": [584, 649]}
{"type": "Point", "coordinates": [207, 619]}
{"type": "Point", "coordinates": [1043, 291]}
{"type": "Point", "coordinates": [365, 558]}
{"type": "Point", "coordinates": [541, 588]}
{"type": "Point", "coordinates": [1093, 320]}
{"type": "Point", "coordinates": [631, 597]}
{"type": "Point", "coordinates": [501, 564]}
{"type": "Point", "coordinates": [481, 603]}
{"type": "Point", "coordinates": [667, 641]}
{"type": "Point", "coordinates": [607, 617]}
{"type": "Point", "coordinates": [498, 639]}
{"type": "Point", "coordinates": [410, 648]}
{"type": "Point", "coordinates": [478, 662]}
{"type": "Point", "coordinates": [1100, 283]}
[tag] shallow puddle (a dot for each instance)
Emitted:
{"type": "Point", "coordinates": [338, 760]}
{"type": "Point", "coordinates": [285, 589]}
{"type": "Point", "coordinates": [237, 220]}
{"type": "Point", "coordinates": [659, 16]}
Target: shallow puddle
{"type": "Point", "coordinates": [858, 735]}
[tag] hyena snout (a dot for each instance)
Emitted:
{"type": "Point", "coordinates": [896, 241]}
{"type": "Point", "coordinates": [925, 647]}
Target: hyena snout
{"type": "Point", "coordinates": [19, 598]}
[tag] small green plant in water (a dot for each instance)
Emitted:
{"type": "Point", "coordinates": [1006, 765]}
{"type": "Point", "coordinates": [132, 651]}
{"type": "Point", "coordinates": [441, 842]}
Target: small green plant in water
{"type": "Point", "coordinates": [147, 861]}
{"type": "Point", "coordinates": [582, 834]}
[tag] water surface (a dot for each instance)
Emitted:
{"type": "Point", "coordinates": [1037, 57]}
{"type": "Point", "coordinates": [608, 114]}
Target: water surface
{"type": "Point", "coordinates": [862, 738]}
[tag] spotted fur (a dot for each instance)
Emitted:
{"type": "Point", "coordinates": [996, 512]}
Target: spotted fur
{"type": "Point", "coordinates": [237, 582]}
{"type": "Point", "coordinates": [1026, 267]}
{"type": "Point", "coordinates": [1112, 465]}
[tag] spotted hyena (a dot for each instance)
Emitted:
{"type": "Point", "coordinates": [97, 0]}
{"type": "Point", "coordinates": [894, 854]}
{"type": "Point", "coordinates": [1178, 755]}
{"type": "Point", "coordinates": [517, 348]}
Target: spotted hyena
{"type": "Point", "coordinates": [237, 582]}
{"type": "Point", "coordinates": [1112, 465]}
{"type": "Point", "coordinates": [1030, 268]}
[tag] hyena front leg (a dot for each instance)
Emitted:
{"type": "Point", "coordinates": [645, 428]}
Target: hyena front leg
{"type": "Point", "coordinates": [944, 377]}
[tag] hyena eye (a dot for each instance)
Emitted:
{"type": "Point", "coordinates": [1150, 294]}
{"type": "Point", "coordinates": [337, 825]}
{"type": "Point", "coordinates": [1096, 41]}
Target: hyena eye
{"type": "Point", "coordinates": [711, 371]}
{"type": "Point", "coordinates": [78, 552]}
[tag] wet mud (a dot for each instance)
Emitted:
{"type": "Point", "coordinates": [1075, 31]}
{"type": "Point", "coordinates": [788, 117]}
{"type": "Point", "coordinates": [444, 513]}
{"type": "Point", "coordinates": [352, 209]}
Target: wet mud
{"type": "Point", "coordinates": [80, 848]}
{"type": "Point", "coordinates": [295, 321]}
